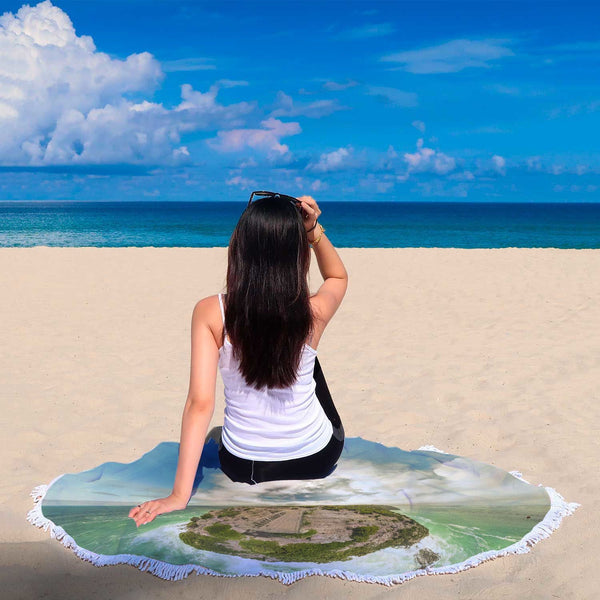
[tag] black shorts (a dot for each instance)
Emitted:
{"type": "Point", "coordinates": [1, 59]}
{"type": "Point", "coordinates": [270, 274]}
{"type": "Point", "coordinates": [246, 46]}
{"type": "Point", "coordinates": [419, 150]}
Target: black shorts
{"type": "Point", "coordinates": [315, 466]}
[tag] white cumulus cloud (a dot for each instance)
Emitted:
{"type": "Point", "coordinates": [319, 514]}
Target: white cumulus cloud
{"type": "Point", "coordinates": [318, 185]}
{"type": "Point", "coordinates": [494, 164]}
{"type": "Point", "coordinates": [332, 161]}
{"type": "Point", "coordinates": [428, 160]}
{"type": "Point", "coordinates": [499, 164]}
{"type": "Point", "coordinates": [266, 138]}
{"type": "Point", "coordinates": [241, 182]}
{"type": "Point", "coordinates": [63, 102]}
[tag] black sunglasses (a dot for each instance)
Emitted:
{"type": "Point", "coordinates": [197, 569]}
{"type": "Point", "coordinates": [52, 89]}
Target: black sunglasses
{"type": "Point", "coordinates": [265, 194]}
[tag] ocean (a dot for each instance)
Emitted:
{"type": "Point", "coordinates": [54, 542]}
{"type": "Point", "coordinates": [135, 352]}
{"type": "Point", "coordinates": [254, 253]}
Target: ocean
{"type": "Point", "coordinates": [456, 533]}
{"type": "Point", "coordinates": [347, 224]}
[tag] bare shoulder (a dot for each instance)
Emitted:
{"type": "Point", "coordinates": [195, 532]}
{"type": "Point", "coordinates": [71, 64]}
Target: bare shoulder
{"type": "Point", "coordinates": [207, 313]}
{"type": "Point", "coordinates": [205, 306]}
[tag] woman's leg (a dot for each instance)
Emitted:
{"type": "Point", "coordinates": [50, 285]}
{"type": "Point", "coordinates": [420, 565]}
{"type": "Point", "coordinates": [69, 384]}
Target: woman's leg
{"type": "Point", "coordinates": [324, 396]}
{"type": "Point", "coordinates": [316, 466]}
{"type": "Point", "coordinates": [214, 434]}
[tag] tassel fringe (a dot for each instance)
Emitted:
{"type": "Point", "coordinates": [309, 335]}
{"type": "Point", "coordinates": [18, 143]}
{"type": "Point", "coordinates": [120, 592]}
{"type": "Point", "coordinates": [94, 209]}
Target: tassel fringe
{"type": "Point", "coordinates": [559, 509]}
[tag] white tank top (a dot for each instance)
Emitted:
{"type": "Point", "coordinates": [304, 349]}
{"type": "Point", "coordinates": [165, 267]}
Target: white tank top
{"type": "Point", "coordinates": [272, 424]}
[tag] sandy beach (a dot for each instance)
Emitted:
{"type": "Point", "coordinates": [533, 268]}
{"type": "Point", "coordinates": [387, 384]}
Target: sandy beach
{"type": "Point", "coordinates": [492, 354]}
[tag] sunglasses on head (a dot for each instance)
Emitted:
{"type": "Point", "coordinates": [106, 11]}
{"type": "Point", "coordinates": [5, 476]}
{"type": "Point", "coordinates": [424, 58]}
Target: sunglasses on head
{"type": "Point", "coordinates": [265, 194]}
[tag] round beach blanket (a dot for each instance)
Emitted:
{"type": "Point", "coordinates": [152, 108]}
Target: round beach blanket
{"type": "Point", "coordinates": [384, 515]}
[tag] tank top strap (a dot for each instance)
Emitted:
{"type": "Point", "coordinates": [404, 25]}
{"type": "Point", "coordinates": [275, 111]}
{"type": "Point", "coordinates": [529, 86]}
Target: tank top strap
{"type": "Point", "coordinates": [222, 311]}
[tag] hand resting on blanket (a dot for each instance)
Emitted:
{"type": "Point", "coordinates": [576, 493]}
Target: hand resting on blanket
{"type": "Point", "coordinates": [156, 507]}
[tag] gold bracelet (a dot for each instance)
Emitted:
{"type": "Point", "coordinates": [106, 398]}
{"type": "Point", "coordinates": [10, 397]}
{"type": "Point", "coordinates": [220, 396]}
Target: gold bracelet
{"type": "Point", "coordinates": [317, 240]}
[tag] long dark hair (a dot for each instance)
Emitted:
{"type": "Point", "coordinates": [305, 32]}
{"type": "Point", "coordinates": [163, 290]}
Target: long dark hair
{"type": "Point", "coordinates": [268, 314]}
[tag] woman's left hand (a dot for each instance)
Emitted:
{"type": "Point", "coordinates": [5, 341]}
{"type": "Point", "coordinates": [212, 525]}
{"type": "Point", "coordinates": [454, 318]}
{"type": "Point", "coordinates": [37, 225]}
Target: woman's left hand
{"type": "Point", "coordinates": [311, 212]}
{"type": "Point", "coordinates": [147, 511]}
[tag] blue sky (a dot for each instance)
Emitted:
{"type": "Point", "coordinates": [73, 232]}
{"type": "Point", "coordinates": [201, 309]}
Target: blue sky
{"type": "Point", "coordinates": [403, 101]}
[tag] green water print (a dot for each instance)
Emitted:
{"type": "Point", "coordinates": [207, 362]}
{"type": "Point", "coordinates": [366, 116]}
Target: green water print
{"type": "Point", "coordinates": [462, 511]}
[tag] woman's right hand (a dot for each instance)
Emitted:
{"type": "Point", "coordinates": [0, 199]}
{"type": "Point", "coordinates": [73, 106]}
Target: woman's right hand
{"type": "Point", "coordinates": [311, 212]}
{"type": "Point", "coordinates": [143, 513]}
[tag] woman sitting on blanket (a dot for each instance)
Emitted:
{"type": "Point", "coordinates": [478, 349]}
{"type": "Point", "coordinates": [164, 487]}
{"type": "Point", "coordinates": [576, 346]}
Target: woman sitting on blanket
{"type": "Point", "coordinates": [280, 421]}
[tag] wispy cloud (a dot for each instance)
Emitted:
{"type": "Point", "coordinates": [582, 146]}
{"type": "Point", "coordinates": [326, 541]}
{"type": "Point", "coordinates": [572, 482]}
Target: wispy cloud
{"type": "Point", "coordinates": [514, 90]}
{"type": "Point", "coordinates": [228, 83]}
{"type": "Point", "coordinates": [393, 96]}
{"type": "Point", "coordinates": [462, 176]}
{"type": "Point", "coordinates": [285, 106]}
{"type": "Point", "coordinates": [367, 31]}
{"type": "Point", "coordinates": [484, 129]}
{"type": "Point", "coordinates": [90, 170]}
{"type": "Point", "coordinates": [505, 89]}
{"type": "Point", "coordinates": [554, 54]}
{"type": "Point", "coordinates": [451, 56]}
{"type": "Point", "coordinates": [188, 64]}
{"type": "Point", "coordinates": [575, 188]}
{"type": "Point", "coordinates": [438, 187]}
{"type": "Point", "coordinates": [368, 12]}
{"type": "Point", "coordinates": [318, 185]}
{"type": "Point", "coordinates": [543, 164]}
{"type": "Point", "coordinates": [335, 86]}
{"type": "Point", "coordinates": [419, 125]}
{"type": "Point", "coordinates": [571, 110]}
{"type": "Point", "coordinates": [579, 50]}
{"type": "Point", "coordinates": [241, 182]}
{"type": "Point", "coordinates": [380, 184]}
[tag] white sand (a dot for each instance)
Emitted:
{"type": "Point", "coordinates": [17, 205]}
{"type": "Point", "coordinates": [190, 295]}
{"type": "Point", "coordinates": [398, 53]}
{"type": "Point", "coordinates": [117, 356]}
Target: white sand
{"type": "Point", "coordinates": [491, 354]}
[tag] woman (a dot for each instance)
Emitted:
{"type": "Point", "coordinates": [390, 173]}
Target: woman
{"type": "Point", "coordinates": [280, 421]}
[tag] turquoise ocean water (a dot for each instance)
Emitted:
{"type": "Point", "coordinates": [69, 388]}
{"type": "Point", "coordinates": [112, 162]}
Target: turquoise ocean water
{"type": "Point", "coordinates": [455, 534]}
{"type": "Point", "coordinates": [347, 224]}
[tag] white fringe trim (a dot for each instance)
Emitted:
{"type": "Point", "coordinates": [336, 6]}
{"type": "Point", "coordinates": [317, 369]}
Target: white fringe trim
{"type": "Point", "coordinates": [559, 509]}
